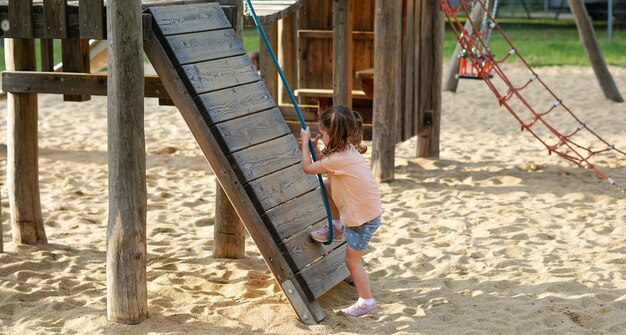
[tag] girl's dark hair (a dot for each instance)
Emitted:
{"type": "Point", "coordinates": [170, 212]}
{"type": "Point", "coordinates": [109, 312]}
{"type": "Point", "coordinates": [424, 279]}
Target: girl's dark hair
{"type": "Point", "coordinates": [344, 127]}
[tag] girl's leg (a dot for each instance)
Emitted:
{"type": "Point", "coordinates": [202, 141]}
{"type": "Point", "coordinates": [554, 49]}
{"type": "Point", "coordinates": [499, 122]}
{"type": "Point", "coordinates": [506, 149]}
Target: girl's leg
{"type": "Point", "coordinates": [359, 275]}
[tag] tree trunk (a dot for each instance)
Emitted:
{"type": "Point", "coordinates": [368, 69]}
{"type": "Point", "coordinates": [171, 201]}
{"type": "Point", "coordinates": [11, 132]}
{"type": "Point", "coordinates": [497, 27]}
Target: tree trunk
{"type": "Point", "coordinates": [594, 53]}
{"type": "Point", "coordinates": [22, 150]}
{"type": "Point", "coordinates": [127, 299]}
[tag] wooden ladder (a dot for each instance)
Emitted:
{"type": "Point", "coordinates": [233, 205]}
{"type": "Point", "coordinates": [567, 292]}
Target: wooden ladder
{"type": "Point", "coordinates": [249, 146]}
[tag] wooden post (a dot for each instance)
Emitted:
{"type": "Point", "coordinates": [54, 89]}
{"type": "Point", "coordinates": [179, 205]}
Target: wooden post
{"type": "Point", "coordinates": [429, 81]}
{"type": "Point", "coordinates": [594, 53]}
{"type": "Point", "coordinates": [266, 65]}
{"type": "Point", "coordinates": [228, 230]}
{"type": "Point", "coordinates": [387, 67]}
{"type": "Point", "coordinates": [1, 233]}
{"type": "Point", "coordinates": [127, 299]}
{"type": "Point", "coordinates": [343, 52]}
{"type": "Point", "coordinates": [287, 55]}
{"type": "Point", "coordinates": [405, 122]}
{"type": "Point", "coordinates": [452, 81]}
{"type": "Point", "coordinates": [22, 151]}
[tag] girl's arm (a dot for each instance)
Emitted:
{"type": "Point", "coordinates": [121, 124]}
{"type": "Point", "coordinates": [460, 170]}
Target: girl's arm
{"type": "Point", "coordinates": [308, 165]}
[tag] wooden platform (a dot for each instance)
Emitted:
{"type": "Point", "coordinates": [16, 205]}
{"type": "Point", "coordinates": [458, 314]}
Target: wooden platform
{"type": "Point", "coordinates": [249, 146]}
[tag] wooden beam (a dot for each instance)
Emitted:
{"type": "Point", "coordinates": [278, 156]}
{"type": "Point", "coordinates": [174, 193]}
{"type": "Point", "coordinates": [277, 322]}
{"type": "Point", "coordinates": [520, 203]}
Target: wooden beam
{"type": "Point", "coordinates": [266, 65]}
{"type": "Point", "coordinates": [92, 19]}
{"type": "Point", "coordinates": [20, 19]}
{"type": "Point", "coordinates": [22, 151]}
{"type": "Point", "coordinates": [55, 18]}
{"type": "Point", "coordinates": [594, 53]}
{"type": "Point", "coordinates": [1, 233]}
{"type": "Point", "coordinates": [287, 56]}
{"type": "Point", "coordinates": [75, 56]}
{"type": "Point", "coordinates": [328, 34]}
{"type": "Point", "coordinates": [73, 26]}
{"type": "Point", "coordinates": [387, 67]}
{"type": "Point", "coordinates": [228, 230]}
{"type": "Point", "coordinates": [71, 83]}
{"type": "Point", "coordinates": [127, 291]}
{"type": "Point", "coordinates": [47, 54]}
{"type": "Point", "coordinates": [343, 52]}
{"type": "Point", "coordinates": [429, 81]}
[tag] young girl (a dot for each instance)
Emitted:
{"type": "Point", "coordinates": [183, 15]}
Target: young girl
{"type": "Point", "coordinates": [353, 193]}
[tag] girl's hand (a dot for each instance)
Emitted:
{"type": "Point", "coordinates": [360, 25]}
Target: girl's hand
{"type": "Point", "coordinates": [316, 140]}
{"type": "Point", "coordinates": [305, 136]}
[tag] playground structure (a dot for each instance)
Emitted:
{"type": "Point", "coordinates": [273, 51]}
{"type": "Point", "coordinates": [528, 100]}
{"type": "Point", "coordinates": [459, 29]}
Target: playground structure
{"type": "Point", "coordinates": [326, 50]}
{"type": "Point", "coordinates": [230, 112]}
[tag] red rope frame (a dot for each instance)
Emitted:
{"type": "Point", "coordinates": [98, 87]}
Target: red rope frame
{"type": "Point", "coordinates": [480, 55]}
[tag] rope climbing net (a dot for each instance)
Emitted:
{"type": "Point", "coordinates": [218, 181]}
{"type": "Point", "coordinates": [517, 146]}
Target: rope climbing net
{"type": "Point", "coordinates": [547, 118]}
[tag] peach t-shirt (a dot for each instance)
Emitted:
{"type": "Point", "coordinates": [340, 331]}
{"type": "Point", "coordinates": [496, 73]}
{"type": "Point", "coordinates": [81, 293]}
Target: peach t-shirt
{"type": "Point", "coordinates": [354, 189]}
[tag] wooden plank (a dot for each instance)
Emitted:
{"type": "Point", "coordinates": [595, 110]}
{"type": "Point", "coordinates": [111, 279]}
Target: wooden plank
{"type": "Point", "coordinates": [224, 105]}
{"type": "Point", "coordinates": [296, 299]}
{"type": "Point", "coordinates": [92, 19]}
{"type": "Point", "coordinates": [328, 34]}
{"type": "Point", "coordinates": [74, 29]}
{"type": "Point", "coordinates": [268, 70]}
{"type": "Point", "coordinates": [265, 158]}
{"type": "Point", "coordinates": [343, 52]}
{"type": "Point", "coordinates": [327, 93]}
{"type": "Point", "coordinates": [250, 130]}
{"type": "Point", "coordinates": [55, 18]}
{"type": "Point", "coordinates": [70, 83]}
{"type": "Point", "coordinates": [287, 56]}
{"type": "Point", "coordinates": [46, 49]}
{"type": "Point", "coordinates": [190, 18]}
{"type": "Point", "coordinates": [406, 120]}
{"type": "Point", "coordinates": [218, 162]}
{"type": "Point", "coordinates": [219, 74]}
{"type": "Point", "coordinates": [232, 186]}
{"type": "Point", "coordinates": [309, 112]}
{"type": "Point", "coordinates": [314, 48]}
{"type": "Point", "coordinates": [295, 129]}
{"type": "Point", "coordinates": [192, 47]}
{"type": "Point", "coordinates": [325, 273]}
{"type": "Point", "coordinates": [295, 215]}
{"type": "Point", "coordinates": [364, 48]}
{"type": "Point", "coordinates": [303, 250]}
{"type": "Point", "coordinates": [326, 73]}
{"type": "Point", "coordinates": [20, 19]}
{"type": "Point", "coordinates": [302, 19]}
{"type": "Point", "coordinates": [281, 186]}
{"type": "Point", "coordinates": [75, 56]}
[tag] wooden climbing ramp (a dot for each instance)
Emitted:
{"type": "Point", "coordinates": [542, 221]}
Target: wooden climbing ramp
{"type": "Point", "coordinates": [249, 146]}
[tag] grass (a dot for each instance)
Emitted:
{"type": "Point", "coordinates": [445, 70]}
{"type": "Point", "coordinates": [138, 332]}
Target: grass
{"type": "Point", "coordinates": [542, 42]}
{"type": "Point", "coordinates": [547, 42]}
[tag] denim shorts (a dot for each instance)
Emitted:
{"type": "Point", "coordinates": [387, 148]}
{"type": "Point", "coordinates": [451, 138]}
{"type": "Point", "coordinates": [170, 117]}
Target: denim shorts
{"type": "Point", "coordinates": [359, 237]}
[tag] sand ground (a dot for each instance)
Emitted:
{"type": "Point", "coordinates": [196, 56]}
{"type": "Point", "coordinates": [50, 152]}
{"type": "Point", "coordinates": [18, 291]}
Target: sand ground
{"type": "Point", "coordinates": [495, 237]}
